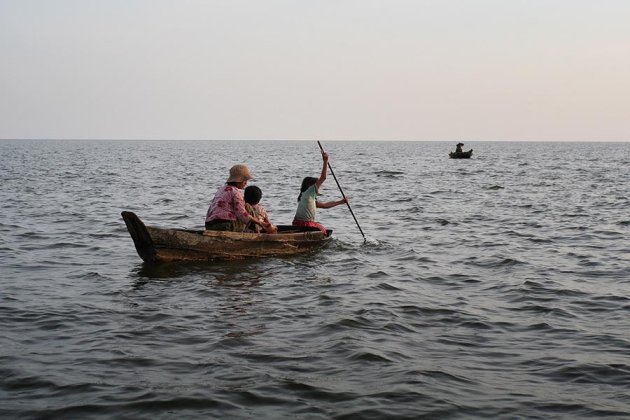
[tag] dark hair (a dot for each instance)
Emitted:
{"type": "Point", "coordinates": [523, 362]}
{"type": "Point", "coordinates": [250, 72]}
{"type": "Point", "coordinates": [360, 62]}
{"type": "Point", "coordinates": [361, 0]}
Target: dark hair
{"type": "Point", "coordinates": [306, 182]}
{"type": "Point", "coordinates": [233, 184]}
{"type": "Point", "coordinates": [253, 194]}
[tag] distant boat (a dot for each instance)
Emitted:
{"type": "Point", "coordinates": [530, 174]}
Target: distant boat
{"type": "Point", "coordinates": [461, 155]}
{"type": "Point", "coordinates": [156, 245]}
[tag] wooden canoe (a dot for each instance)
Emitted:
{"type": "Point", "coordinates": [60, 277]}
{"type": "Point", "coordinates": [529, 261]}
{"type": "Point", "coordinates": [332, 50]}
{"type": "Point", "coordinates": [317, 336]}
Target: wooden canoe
{"type": "Point", "coordinates": [167, 245]}
{"type": "Point", "coordinates": [460, 155]}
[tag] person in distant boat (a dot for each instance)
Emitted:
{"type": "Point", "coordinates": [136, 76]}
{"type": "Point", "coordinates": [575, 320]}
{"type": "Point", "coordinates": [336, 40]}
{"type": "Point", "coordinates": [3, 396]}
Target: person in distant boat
{"type": "Point", "coordinates": [227, 210]}
{"type": "Point", "coordinates": [307, 200]}
{"type": "Point", "coordinates": [458, 148]}
{"type": "Point", "coordinates": [253, 194]}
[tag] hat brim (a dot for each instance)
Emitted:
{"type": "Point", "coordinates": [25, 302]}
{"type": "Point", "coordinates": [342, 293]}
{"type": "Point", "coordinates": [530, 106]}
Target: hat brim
{"type": "Point", "coordinates": [240, 179]}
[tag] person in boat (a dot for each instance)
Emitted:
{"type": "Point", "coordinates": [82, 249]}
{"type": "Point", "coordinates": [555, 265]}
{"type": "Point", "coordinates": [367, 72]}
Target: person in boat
{"type": "Point", "coordinates": [227, 209]}
{"type": "Point", "coordinates": [307, 200]}
{"type": "Point", "coordinates": [253, 194]}
{"type": "Point", "coordinates": [458, 148]}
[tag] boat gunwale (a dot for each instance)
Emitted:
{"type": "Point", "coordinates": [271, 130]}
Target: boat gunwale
{"type": "Point", "coordinates": [307, 236]}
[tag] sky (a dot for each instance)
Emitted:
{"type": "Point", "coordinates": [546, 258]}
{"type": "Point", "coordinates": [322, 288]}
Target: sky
{"type": "Point", "coordinates": [427, 70]}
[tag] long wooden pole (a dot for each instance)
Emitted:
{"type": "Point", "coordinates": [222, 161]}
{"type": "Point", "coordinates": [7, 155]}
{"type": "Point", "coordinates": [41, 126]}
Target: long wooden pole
{"type": "Point", "coordinates": [344, 196]}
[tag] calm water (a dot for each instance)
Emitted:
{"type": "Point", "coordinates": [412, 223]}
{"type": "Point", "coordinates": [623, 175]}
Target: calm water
{"type": "Point", "coordinates": [492, 287]}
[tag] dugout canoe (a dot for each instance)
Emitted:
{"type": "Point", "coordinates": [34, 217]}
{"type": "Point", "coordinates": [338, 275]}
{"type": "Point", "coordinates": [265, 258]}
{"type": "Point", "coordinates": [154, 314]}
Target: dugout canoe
{"type": "Point", "coordinates": [461, 155]}
{"type": "Point", "coordinates": [156, 244]}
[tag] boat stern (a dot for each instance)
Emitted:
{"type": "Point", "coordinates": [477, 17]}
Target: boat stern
{"type": "Point", "coordinates": [140, 235]}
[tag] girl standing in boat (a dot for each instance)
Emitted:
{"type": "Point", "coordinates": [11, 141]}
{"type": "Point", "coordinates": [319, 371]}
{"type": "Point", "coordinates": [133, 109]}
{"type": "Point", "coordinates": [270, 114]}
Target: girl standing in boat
{"type": "Point", "coordinates": [307, 200]}
{"type": "Point", "coordinates": [227, 210]}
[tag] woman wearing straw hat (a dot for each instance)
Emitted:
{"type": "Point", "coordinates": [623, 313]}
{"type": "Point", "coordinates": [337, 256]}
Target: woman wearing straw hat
{"type": "Point", "coordinates": [227, 210]}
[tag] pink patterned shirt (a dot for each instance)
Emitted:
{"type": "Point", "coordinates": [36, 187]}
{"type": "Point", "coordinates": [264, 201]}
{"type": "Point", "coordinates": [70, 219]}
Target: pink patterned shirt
{"type": "Point", "coordinates": [228, 204]}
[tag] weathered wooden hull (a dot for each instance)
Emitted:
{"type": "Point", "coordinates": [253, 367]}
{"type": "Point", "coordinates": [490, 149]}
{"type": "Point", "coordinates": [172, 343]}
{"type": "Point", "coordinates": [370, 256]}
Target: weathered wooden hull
{"type": "Point", "coordinates": [167, 245]}
{"type": "Point", "coordinates": [461, 155]}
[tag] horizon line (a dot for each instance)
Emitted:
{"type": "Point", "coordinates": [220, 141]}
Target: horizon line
{"type": "Point", "coordinates": [317, 139]}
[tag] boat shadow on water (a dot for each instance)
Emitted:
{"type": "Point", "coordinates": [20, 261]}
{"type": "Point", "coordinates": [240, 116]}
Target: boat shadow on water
{"type": "Point", "coordinates": [180, 270]}
{"type": "Point", "coordinates": [242, 271]}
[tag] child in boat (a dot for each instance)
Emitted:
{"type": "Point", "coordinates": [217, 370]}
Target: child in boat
{"type": "Point", "coordinates": [253, 194]}
{"type": "Point", "coordinates": [227, 210]}
{"type": "Point", "coordinates": [307, 200]}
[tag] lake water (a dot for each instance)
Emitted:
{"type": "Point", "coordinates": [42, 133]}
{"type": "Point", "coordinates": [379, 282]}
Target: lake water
{"type": "Point", "coordinates": [495, 287]}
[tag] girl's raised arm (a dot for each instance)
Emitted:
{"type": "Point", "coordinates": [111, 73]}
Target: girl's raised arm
{"type": "Point", "coordinates": [322, 177]}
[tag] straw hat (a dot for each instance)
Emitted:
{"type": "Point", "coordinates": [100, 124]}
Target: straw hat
{"type": "Point", "coordinates": [239, 173]}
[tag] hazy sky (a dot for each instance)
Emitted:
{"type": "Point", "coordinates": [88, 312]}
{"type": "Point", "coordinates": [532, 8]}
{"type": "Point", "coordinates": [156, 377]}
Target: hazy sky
{"type": "Point", "coordinates": [315, 69]}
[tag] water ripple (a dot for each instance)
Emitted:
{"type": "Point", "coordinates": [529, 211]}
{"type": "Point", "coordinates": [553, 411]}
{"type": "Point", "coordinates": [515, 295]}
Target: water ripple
{"type": "Point", "coordinates": [488, 288]}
